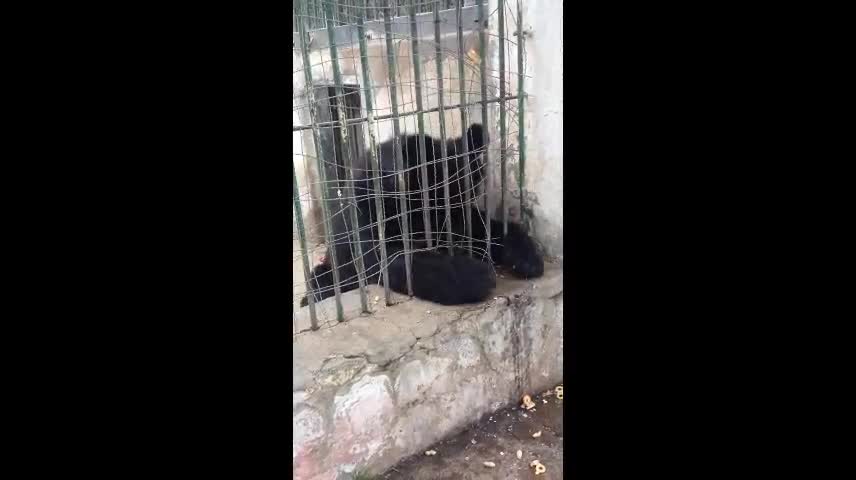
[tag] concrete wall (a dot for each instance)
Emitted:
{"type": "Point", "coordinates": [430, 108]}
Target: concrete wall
{"type": "Point", "coordinates": [376, 389]}
{"type": "Point", "coordinates": [543, 115]}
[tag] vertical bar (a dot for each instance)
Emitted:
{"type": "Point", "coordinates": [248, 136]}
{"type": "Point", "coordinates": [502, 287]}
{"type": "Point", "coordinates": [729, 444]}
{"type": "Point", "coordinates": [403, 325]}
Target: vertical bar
{"type": "Point", "coordinates": [301, 235]}
{"type": "Point", "coordinates": [442, 113]}
{"type": "Point", "coordinates": [488, 174]}
{"type": "Point", "coordinates": [420, 122]}
{"type": "Point", "coordinates": [319, 157]}
{"type": "Point", "coordinates": [375, 166]}
{"type": "Point", "coordinates": [503, 145]}
{"type": "Point", "coordinates": [521, 138]}
{"type": "Point", "coordinates": [355, 244]}
{"type": "Point", "coordinates": [399, 161]}
{"type": "Point", "coordinates": [464, 125]}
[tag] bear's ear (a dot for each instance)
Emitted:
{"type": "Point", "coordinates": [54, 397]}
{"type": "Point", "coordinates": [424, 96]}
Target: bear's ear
{"type": "Point", "coordinates": [475, 137]}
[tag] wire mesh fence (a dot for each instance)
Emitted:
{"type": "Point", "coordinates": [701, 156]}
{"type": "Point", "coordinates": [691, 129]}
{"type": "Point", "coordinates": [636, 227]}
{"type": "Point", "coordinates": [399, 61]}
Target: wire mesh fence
{"type": "Point", "coordinates": [346, 12]}
{"type": "Point", "coordinates": [407, 124]}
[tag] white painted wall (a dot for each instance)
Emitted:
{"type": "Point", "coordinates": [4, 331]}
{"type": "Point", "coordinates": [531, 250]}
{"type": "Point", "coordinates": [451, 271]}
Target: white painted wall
{"type": "Point", "coordinates": [546, 114]}
{"type": "Point", "coordinates": [543, 115]}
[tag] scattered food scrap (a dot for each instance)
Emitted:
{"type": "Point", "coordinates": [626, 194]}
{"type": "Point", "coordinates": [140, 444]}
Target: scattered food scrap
{"type": "Point", "coordinates": [528, 404]}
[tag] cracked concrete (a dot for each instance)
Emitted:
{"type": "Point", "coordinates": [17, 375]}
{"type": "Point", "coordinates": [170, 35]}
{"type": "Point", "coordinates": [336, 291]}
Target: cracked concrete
{"type": "Point", "coordinates": [378, 388]}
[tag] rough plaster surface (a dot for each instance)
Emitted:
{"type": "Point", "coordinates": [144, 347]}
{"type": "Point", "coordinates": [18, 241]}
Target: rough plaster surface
{"type": "Point", "coordinates": [381, 387]}
{"type": "Point", "coordinates": [543, 117]}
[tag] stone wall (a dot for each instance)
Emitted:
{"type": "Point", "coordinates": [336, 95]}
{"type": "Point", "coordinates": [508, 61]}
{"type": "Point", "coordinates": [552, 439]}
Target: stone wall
{"type": "Point", "coordinates": [381, 387]}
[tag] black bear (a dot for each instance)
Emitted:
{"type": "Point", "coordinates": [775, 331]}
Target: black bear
{"type": "Point", "coordinates": [444, 274]}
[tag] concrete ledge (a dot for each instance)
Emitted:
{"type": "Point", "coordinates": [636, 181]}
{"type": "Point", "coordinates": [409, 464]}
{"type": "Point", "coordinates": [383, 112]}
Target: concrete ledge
{"type": "Point", "coordinates": [373, 390]}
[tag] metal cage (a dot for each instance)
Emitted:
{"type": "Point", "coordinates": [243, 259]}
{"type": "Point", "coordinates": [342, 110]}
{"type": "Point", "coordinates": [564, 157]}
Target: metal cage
{"type": "Point", "coordinates": [341, 48]}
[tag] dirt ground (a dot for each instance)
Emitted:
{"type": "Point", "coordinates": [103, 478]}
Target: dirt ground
{"type": "Point", "coordinates": [496, 438]}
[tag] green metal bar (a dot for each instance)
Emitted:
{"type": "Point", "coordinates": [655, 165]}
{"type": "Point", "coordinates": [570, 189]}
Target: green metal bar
{"type": "Point", "coordinates": [468, 213]}
{"type": "Point", "coordinates": [355, 243]}
{"type": "Point", "coordinates": [375, 166]}
{"type": "Point", "coordinates": [488, 174]}
{"type": "Point", "coordinates": [301, 235]}
{"type": "Point", "coordinates": [319, 156]}
{"type": "Point", "coordinates": [399, 161]}
{"type": "Point", "coordinates": [440, 108]}
{"type": "Point", "coordinates": [521, 138]}
{"type": "Point", "coordinates": [420, 123]}
{"type": "Point", "coordinates": [503, 137]}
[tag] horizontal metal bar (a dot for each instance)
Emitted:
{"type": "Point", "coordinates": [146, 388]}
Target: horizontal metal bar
{"type": "Point", "coordinates": [352, 121]}
{"type": "Point", "coordinates": [400, 26]}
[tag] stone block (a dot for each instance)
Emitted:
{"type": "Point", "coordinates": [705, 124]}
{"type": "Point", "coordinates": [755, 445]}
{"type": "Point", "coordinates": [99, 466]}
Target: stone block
{"type": "Point", "coordinates": [378, 388]}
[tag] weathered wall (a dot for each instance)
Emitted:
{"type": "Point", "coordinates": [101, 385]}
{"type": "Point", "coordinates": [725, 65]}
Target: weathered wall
{"type": "Point", "coordinates": [544, 120]}
{"type": "Point", "coordinates": [378, 388]}
{"type": "Point", "coordinates": [543, 115]}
